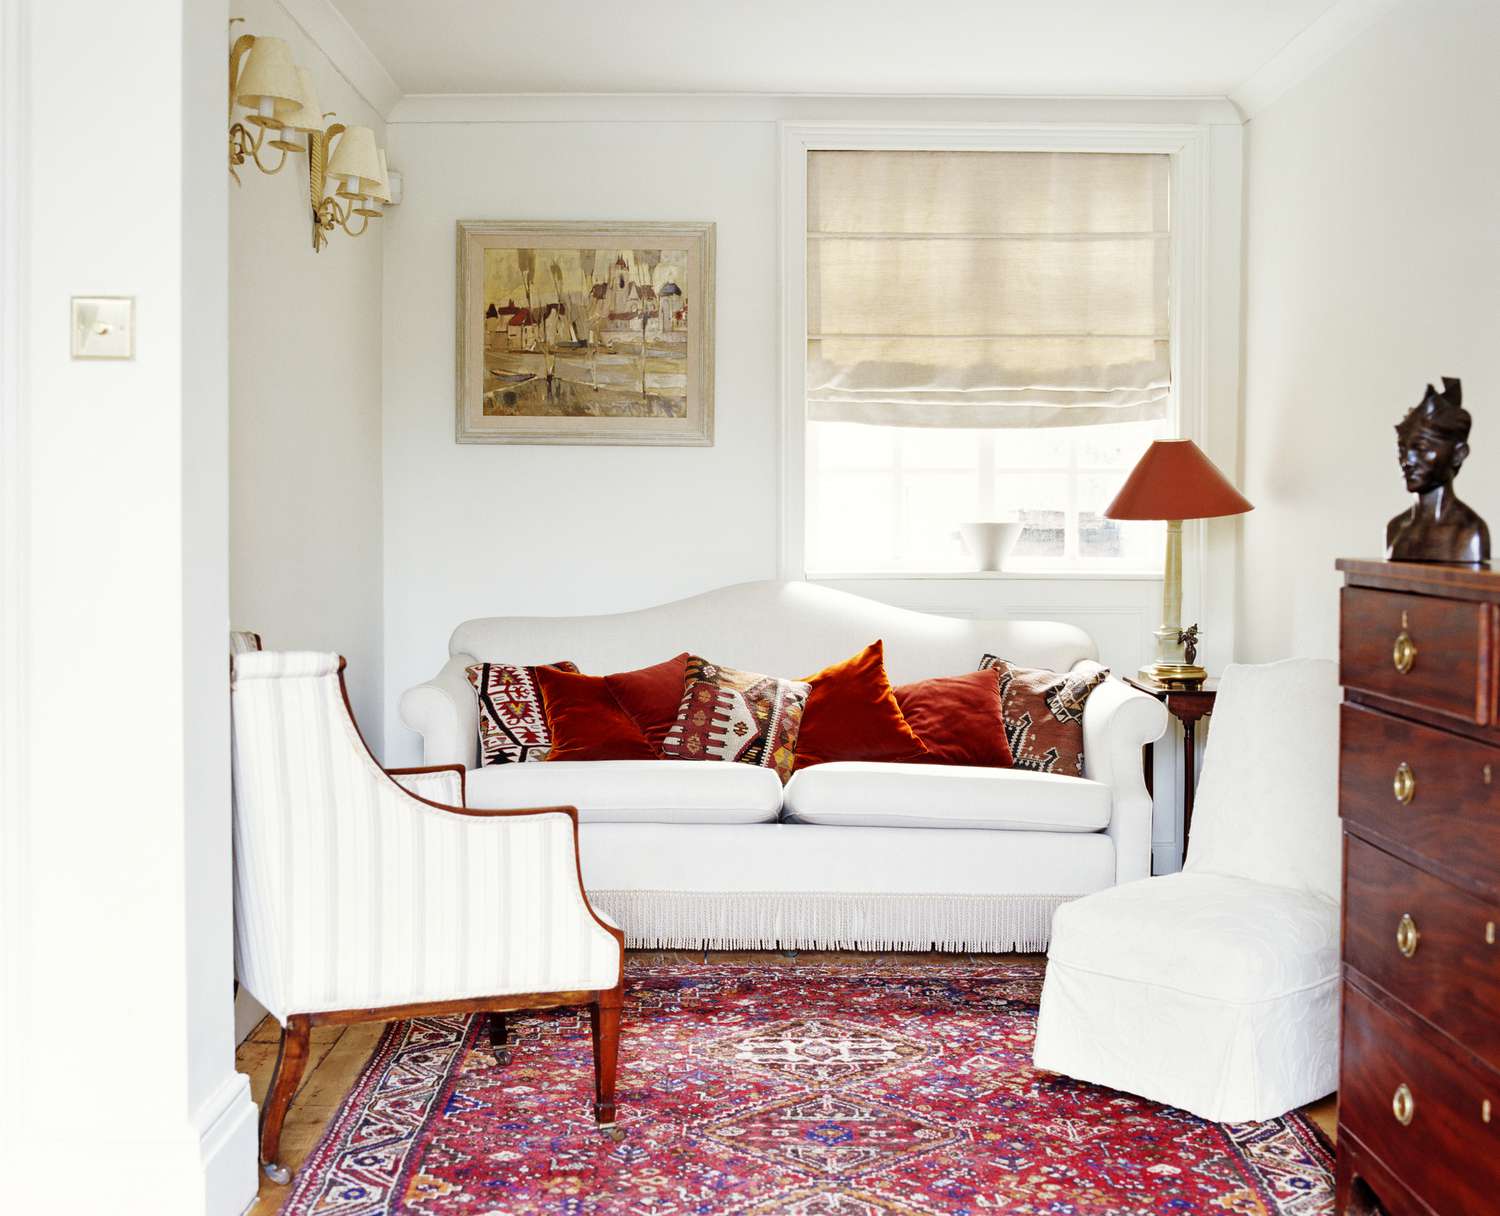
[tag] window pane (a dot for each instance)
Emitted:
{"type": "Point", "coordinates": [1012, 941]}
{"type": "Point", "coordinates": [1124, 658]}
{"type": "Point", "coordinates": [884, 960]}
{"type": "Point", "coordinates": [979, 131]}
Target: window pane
{"type": "Point", "coordinates": [1033, 449]}
{"type": "Point", "coordinates": [850, 522]}
{"type": "Point", "coordinates": [934, 505]}
{"type": "Point", "coordinates": [939, 448]}
{"type": "Point", "coordinates": [892, 499]}
{"type": "Point", "coordinates": [847, 445]}
{"type": "Point", "coordinates": [1115, 447]}
{"type": "Point", "coordinates": [1123, 544]}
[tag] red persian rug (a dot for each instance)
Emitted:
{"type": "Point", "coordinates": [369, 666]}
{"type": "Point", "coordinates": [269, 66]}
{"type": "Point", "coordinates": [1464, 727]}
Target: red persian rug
{"type": "Point", "coordinates": [813, 1090]}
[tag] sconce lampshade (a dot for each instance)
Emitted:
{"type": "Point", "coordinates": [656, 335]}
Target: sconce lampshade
{"type": "Point", "coordinates": [308, 114]}
{"type": "Point", "coordinates": [380, 192]}
{"type": "Point", "coordinates": [268, 85]}
{"type": "Point", "coordinates": [1175, 480]}
{"type": "Point", "coordinates": [304, 116]}
{"type": "Point", "coordinates": [356, 162]}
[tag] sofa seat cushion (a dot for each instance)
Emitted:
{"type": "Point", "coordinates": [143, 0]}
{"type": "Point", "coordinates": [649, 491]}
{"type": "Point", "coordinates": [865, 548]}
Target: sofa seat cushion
{"type": "Point", "coordinates": [852, 793]}
{"type": "Point", "coordinates": [634, 791]}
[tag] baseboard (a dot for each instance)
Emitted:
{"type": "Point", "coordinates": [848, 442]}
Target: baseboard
{"type": "Point", "coordinates": [226, 1125]}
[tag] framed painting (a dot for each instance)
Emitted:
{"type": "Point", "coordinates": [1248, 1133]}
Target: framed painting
{"type": "Point", "coordinates": [585, 333]}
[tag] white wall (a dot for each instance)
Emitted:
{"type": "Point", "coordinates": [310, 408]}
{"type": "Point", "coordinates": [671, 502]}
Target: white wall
{"type": "Point", "coordinates": [305, 489]}
{"type": "Point", "coordinates": [1373, 266]}
{"type": "Point", "coordinates": [117, 1019]}
{"type": "Point", "coordinates": [483, 529]}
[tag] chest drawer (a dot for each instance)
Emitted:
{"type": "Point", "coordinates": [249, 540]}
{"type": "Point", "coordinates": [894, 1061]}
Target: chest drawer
{"type": "Point", "coordinates": [1434, 793]}
{"type": "Point", "coordinates": [1425, 942]}
{"type": "Point", "coordinates": [1429, 652]}
{"type": "Point", "coordinates": [1449, 1155]}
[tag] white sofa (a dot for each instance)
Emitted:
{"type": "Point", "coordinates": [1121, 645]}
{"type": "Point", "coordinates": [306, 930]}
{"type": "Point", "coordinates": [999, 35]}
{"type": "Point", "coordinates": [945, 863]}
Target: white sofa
{"type": "Point", "coordinates": [848, 855]}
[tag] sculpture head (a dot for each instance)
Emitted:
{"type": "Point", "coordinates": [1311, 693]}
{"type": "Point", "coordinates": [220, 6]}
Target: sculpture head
{"type": "Point", "coordinates": [1433, 439]}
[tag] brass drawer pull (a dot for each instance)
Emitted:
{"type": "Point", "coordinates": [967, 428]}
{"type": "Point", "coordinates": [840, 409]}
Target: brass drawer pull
{"type": "Point", "coordinates": [1404, 652]}
{"type": "Point", "coordinates": [1404, 784]}
{"type": "Point", "coordinates": [1403, 1105]}
{"type": "Point", "coordinates": [1407, 936]}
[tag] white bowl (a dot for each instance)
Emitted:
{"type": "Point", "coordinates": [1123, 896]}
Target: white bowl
{"type": "Point", "coordinates": [989, 541]}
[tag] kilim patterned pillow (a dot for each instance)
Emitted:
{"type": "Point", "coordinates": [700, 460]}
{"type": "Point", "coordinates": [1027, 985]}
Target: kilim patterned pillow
{"type": "Point", "coordinates": [737, 715]}
{"type": "Point", "coordinates": [1043, 712]}
{"type": "Point", "coordinates": [512, 723]}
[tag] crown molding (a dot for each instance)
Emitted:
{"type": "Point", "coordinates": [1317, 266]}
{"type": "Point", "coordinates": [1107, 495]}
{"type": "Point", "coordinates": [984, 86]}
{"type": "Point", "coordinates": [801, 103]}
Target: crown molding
{"type": "Point", "coordinates": [347, 51]}
{"type": "Point", "coordinates": [772, 107]}
{"type": "Point", "coordinates": [1339, 26]}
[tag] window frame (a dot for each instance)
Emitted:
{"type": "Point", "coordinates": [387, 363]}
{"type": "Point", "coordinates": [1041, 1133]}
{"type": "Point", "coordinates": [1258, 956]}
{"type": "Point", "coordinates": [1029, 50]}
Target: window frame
{"type": "Point", "coordinates": [1189, 149]}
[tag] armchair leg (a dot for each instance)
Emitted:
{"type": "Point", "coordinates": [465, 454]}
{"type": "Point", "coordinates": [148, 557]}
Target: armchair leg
{"type": "Point", "coordinates": [604, 1023]}
{"type": "Point", "coordinates": [291, 1059]}
{"type": "Point", "coordinates": [499, 1040]}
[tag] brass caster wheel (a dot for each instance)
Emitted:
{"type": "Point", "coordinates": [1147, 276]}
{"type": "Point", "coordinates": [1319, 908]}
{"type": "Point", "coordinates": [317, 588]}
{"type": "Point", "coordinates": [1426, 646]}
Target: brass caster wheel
{"type": "Point", "coordinates": [502, 1056]}
{"type": "Point", "coordinates": [614, 1131]}
{"type": "Point", "coordinates": [278, 1174]}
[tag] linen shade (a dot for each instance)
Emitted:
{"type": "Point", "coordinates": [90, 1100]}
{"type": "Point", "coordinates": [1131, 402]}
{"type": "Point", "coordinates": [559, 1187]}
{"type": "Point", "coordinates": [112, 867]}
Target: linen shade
{"type": "Point", "coordinates": [1175, 480]}
{"type": "Point", "coordinates": [987, 289]}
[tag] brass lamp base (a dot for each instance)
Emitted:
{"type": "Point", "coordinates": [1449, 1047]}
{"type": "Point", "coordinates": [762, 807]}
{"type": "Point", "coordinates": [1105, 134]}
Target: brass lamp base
{"type": "Point", "coordinates": [1174, 675]}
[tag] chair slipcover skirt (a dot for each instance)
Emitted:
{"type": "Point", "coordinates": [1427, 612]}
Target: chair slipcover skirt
{"type": "Point", "coordinates": [1213, 994]}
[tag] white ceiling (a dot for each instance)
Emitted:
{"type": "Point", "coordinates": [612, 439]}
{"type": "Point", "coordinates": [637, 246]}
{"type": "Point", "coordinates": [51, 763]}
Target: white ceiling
{"type": "Point", "coordinates": [1157, 48]}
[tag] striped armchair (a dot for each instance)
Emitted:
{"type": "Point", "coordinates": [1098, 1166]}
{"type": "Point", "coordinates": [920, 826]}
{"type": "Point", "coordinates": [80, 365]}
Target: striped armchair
{"type": "Point", "coordinates": [362, 895]}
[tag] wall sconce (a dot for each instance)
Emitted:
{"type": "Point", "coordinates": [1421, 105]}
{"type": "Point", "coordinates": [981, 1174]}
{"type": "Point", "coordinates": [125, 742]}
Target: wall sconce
{"type": "Point", "coordinates": [283, 110]}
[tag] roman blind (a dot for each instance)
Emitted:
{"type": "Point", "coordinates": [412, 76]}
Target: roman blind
{"type": "Point", "coordinates": [987, 289]}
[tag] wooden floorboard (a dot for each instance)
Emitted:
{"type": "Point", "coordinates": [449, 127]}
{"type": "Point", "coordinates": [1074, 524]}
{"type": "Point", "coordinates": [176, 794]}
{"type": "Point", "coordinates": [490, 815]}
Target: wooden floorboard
{"type": "Point", "coordinates": [339, 1053]}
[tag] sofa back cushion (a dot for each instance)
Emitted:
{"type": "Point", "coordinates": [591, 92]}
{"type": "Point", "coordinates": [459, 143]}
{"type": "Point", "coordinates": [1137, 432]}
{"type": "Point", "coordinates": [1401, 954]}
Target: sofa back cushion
{"type": "Point", "coordinates": [1043, 713]}
{"type": "Point", "coordinates": [743, 716]}
{"type": "Point", "coordinates": [512, 723]}
{"type": "Point", "coordinates": [585, 721]}
{"type": "Point", "coordinates": [651, 696]}
{"type": "Point", "coordinates": [852, 714]}
{"type": "Point", "coordinates": [958, 718]}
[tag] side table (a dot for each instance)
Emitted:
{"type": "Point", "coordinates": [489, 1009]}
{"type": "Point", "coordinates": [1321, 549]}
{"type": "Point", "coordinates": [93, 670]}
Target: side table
{"type": "Point", "coordinates": [1187, 705]}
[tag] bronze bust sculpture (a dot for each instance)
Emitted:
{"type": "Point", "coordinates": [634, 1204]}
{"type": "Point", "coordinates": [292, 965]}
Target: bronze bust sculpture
{"type": "Point", "coordinates": [1433, 440]}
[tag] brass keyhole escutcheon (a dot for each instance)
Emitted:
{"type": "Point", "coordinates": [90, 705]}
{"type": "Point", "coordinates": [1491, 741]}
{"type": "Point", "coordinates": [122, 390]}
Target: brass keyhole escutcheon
{"type": "Point", "coordinates": [1403, 1105]}
{"type": "Point", "coordinates": [1404, 784]}
{"type": "Point", "coordinates": [1403, 652]}
{"type": "Point", "coordinates": [1407, 936]}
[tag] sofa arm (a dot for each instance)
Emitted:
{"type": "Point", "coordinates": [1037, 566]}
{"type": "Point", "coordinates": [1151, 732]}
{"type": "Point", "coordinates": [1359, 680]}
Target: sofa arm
{"type": "Point", "coordinates": [1118, 721]}
{"type": "Point", "coordinates": [445, 712]}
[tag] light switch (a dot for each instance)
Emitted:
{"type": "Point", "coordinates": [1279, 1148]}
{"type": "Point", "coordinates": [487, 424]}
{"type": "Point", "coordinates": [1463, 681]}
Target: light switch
{"type": "Point", "coordinates": [103, 327]}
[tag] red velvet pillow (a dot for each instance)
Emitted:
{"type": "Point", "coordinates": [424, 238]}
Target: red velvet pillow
{"type": "Point", "coordinates": [651, 696]}
{"type": "Point", "coordinates": [852, 714]}
{"type": "Point", "coordinates": [586, 722]}
{"type": "Point", "coordinates": [958, 719]}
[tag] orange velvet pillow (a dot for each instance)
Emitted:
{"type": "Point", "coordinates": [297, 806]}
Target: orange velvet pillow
{"type": "Point", "coordinates": [651, 696]}
{"type": "Point", "coordinates": [586, 722]}
{"type": "Point", "coordinates": [852, 714]}
{"type": "Point", "coordinates": [958, 719]}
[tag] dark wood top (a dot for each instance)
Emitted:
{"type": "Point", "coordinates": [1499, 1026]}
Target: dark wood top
{"type": "Point", "coordinates": [1210, 685]}
{"type": "Point", "coordinates": [1463, 582]}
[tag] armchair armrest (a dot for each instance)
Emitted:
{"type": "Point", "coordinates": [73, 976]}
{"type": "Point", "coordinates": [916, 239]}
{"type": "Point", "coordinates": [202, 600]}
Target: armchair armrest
{"type": "Point", "coordinates": [435, 782]}
{"type": "Point", "coordinates": [445, 712]}
{"type": "Point", "coordinates": [1118, 721]}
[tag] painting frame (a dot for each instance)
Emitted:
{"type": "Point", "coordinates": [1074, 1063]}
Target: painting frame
{"type": "Point", "coordinates": [691, 243]}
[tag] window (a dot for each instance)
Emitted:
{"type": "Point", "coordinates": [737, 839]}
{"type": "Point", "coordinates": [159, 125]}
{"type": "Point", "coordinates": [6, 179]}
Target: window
{"type": "Point", "coordinates": [987, 337]}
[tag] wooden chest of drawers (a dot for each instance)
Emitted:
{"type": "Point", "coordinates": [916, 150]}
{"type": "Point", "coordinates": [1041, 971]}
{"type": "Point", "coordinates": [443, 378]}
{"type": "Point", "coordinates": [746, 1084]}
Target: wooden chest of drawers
{"type": "Point", "coordinates": [1419, 792]}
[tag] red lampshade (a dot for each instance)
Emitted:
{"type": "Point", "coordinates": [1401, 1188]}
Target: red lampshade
{"type": "Point", "coordinates": [1174, 480]}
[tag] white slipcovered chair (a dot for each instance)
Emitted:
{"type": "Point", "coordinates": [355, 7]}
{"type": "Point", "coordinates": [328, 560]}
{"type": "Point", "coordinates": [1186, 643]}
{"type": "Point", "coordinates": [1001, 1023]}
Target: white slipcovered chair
{"type": "Point", "coordinates": [361, 899]}
{"type": "Point", "coordinates": [1216, 989]}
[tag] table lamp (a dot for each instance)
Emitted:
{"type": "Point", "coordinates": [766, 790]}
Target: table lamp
{"type": "Point", "coordinates": [1175, 481]}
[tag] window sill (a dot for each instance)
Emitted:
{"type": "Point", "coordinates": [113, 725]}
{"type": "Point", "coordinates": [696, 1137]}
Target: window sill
{"type": "Point", "coordinates": [896, 576]}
